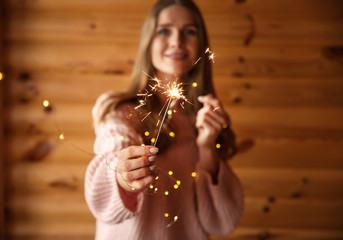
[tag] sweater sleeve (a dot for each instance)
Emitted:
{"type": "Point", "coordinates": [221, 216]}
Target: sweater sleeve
{"type": "Point", "coordinates": [220, 205]}
{"type": "Point", "coordinates": [103, 195]}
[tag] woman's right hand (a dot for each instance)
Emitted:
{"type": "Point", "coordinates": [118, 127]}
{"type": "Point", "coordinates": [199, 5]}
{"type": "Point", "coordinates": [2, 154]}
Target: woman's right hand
{"type": "Point", "coordinates": [136, 169]}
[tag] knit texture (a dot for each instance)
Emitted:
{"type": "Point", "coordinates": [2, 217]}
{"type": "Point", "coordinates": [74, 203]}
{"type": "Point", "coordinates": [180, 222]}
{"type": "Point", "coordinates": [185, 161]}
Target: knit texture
{"type": "Point", "coordinates": [202, 208]}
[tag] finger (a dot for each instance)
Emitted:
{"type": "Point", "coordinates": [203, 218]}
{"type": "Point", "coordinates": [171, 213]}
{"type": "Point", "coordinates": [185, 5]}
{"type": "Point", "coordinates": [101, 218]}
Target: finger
{"type": "Point", "coordinates": [137, 151]}
{"type": "Point", "coordinates": [135, 163]}
{"type": "Point", "coordinates": [143, 182]}
{"type": "Point", "coordinates": [209, 100]}
{"type": "Point", "coordinates": [137, 174]}
{"type": "Point", "coordinates": [213, 125]}
{"type": "Point", "coordinates": [204, 114]}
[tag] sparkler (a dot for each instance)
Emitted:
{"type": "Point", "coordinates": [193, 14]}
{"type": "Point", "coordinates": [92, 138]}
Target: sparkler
{"type": "Point", "coordinates": [173, 91]}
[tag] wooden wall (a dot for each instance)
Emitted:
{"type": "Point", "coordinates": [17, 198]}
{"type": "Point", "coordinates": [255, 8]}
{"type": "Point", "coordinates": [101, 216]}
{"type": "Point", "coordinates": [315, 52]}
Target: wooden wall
{"type": "Point", "coordinates": [2, 218]}
{"type": "Point", "coordinates": [278, 71]}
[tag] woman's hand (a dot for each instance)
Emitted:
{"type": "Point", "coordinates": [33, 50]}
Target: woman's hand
{"type": "Point", "coordinates": [135, 169]}
{"type": "Point", "coordinates": [210, 120]}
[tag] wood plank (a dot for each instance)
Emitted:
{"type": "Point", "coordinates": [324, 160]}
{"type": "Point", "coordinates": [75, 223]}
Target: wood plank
{"type": "Point", "coordinates": [63, 87]}
{"type": "Point", "coordinates": [253, 6]}
{"type": "Point", "coordinates": [52, 231]}
{"type": "Point", "coordinates": [286, 92]}
{"type": "Point", "coordinates": [124, 26]}
{"type": "Point", "coordinates": [283, 234]}
{"type": "Point", "coordinates": [76, 149]}
{"type": "Point", "coordinates": [259, 213]}
{"type": "Point", "coordinates": [80, 58]}
{"type": "Point", "coordinates": [286, 213]}
{"type": "Point", "coordinates": [298, 122]}
{"type": "Point", "coordinates": [109, 57]}
{"type": "Point", "coordinates": [260, 122]}
{"type": "Point", "coordinates": [292, 183]}
{"type": "Point", "coordinates": [33, 86]}
{"type": "Point", "coordinates": [289, 183]}
{"type": "Point", "coordinates": [54, 207]}
{"type": "Point", "coordinates": [253, 152]}
{"type": "Point", "coordinates": [2, 139]}
{"type": "Point", "coordinates": [289, 153]}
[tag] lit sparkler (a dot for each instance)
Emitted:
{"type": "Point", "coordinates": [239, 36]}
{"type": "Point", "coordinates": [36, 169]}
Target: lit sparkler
{"type": "Point", "coordinates": [174, 91]}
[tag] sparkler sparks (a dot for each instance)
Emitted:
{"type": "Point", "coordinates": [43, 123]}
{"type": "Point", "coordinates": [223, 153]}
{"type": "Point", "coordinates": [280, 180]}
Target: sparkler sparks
{"type": "Point", "coordinates": [211, 56]}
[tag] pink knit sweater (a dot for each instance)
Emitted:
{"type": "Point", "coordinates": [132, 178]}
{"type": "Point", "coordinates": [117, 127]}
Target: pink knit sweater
{"type": "Point", "coordinates": [202, 208]}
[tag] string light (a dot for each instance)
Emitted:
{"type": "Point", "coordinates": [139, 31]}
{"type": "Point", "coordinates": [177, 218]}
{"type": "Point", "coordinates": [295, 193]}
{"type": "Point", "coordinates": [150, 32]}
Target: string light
{"type": "Point", "coordinates": [1, 76]}
{"type": "Point", "coordinates": [194, 84]}
{"type": "Point", "coordinates": [194, 174]}
{"type": "Point", "coordinates": [46, 103]}
{"type": "Point", "coordinates": [176, 186]}
{"type": "Point", "coordinates": [61, 137]}
{"type": "Point", "coordinates": [170, 172]}
{"type": "Point", "coordinates": [218, 145]}
{"type": "Point", "coordinates": [166, 193]}
{"type": "Point", "coordinates": [166, 214]}
{"type": "Point", "coordinates": [172, 134]}
{"type": "Point", "coordinates": [152, 140]}
{"type": "Point", "coordinates": [147, 133]}
{"type": "Point", "coordinates": [178, 182]}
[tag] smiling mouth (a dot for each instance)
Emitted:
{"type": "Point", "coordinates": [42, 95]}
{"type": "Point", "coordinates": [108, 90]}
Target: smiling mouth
{"type": "Point", "coordinates": [177, 56]}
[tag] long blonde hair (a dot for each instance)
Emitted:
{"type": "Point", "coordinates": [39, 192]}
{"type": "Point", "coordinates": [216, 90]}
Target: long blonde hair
{"type": "Point", "coordinates": [201, 73]}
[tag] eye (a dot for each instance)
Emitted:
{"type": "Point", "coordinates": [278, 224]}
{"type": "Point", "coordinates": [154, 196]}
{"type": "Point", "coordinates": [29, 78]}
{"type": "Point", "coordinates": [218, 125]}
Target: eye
{"type": "Point", "coordinates": [190, 32]}
{"type": "Point", "coordinates": [163, 31]}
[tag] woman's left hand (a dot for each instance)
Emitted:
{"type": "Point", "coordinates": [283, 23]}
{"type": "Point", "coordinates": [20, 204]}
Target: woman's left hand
{"type": "Point", "coordinates": [210, 120]}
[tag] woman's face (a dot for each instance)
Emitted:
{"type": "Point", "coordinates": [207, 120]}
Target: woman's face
{"type": "Point", "coordinates": [175, 46]}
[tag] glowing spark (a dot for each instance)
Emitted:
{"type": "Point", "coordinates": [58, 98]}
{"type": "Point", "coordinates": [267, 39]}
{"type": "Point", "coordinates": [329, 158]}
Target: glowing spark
{"type": "Point", "coordinates": [146, 115]}
{"type": "Point", "coordinates": [176, 218]}
{"type": "Point", "coordinates": [211, 57]}
{"type": "Point", "coordinates": [46, 103]}
{"type": "Point", "coordinates": [151, 186]}
{"type": "Point", "coordinates": [141, 103]}
{"type": "Point", "coordinates": [174, 90]}
{"type": "Point", "coordinates": [211, 54]}
{"type": "Point", "coordinates": [197, 61]}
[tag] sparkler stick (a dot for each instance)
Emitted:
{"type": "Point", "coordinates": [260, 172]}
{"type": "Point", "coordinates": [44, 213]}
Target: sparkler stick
{"type": "Point", "coordinates": [163, 119]}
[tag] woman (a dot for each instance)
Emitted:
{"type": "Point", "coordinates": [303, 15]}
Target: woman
{"type": "Point", "coordinates": [181, 189]}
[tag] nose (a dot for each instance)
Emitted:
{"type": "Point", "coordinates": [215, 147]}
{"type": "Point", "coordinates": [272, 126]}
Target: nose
{"type": "Point", "coordinates": [176, 39]}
